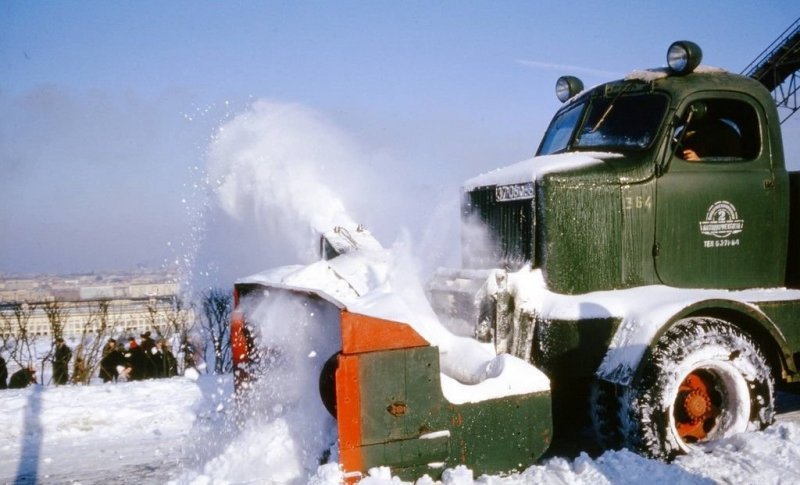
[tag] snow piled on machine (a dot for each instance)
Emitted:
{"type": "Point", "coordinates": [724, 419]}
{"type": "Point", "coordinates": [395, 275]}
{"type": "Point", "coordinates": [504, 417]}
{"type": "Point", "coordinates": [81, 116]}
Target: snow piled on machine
{"type": "Point", "coordinates": [382, 283]}
{"type": "Point", "coordinates": [534, 168]}
{"type": "Point", "coordinates": [642, 310]}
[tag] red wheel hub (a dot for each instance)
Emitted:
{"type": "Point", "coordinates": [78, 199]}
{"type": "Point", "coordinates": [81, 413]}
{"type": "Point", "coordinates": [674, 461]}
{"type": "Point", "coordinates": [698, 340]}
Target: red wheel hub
{"type": "Point", "coordinates": [694, 412]}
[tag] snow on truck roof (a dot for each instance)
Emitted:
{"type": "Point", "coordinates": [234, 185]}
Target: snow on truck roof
{"type": "Point", "coordinates": [650, 75]}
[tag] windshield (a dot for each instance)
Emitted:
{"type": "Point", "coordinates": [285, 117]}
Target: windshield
{"type": "Point", "coordinates": [560, 132]}
{"type": "Point", "coordinates": [621, 122]}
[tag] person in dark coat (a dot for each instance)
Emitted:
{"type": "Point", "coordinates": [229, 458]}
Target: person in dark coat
{"type": "Point", "coordinates": [147, 343]}
{"type": "Point", "coordinates": [61, 362]}
{"type": "Point", "coordinates": [22, 378]}
{"type": "Point", "coordinates": [111, 361]}
{"type": "Point", "coordinates": [142, 366]}
{"type": "Point", "coordinates": [148, 346]}
{"type": "Point", "coordinates": [3, 372]}
{"type": "Point", "coordinates": [166, 364]}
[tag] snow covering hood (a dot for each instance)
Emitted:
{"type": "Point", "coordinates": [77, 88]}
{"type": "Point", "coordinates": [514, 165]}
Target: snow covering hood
{"type": "Point", "coordinates": [534, 168]}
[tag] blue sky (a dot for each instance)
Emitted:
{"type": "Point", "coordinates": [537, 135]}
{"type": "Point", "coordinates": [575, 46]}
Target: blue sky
{"type": "Point", "coordinates": [109, 106]}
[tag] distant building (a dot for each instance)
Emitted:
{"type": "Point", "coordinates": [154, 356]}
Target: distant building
{"type": "Point", "coordinates": [122, 303]}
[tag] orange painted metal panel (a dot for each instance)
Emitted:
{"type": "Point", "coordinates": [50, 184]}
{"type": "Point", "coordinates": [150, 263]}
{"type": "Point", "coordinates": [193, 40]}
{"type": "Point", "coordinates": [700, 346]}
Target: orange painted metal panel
{"type": "Point", "coordinates": [238, 339]}
{"type": "Point", "coordinates": [361, 333]}
{"type": "Point", "coordinates": [348, 410]}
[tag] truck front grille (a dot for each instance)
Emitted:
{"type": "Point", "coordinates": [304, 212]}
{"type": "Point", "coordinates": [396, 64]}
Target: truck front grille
{"type": "Point", "coordinates": [507, 213]}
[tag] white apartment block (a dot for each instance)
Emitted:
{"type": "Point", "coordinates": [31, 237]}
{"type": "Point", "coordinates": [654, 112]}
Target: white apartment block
{"type": "Point", "coordinates": [114, 304]}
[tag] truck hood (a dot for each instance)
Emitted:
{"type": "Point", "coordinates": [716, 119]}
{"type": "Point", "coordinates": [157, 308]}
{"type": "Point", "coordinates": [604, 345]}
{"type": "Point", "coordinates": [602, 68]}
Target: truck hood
{"type": "Point", "coordinates": [534, 168]}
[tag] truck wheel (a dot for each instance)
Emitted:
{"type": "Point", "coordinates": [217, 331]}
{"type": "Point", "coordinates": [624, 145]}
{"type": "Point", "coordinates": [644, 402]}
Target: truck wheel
{"type": "Point", "coordinates": [605, 408]}
{"type": "Point", "coordinates": [705, 380]}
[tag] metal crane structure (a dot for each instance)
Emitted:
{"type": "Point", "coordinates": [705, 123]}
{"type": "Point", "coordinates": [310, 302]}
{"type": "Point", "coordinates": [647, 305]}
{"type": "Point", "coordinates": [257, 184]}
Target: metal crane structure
{"type": "Point", "coordinates": [778, 69]}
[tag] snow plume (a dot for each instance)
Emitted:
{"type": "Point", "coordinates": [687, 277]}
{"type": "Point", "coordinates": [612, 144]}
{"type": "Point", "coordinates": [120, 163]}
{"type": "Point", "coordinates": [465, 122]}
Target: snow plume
{"type": "Point", "coordinates": [284, 431]}
{"type": "Point", "coordinates": [281, 166]}
{"type": "Point", "coordinates": [478, 249]}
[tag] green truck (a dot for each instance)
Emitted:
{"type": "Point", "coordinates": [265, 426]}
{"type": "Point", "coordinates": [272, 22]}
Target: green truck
{"type": "Point", "coordinates": [654, 227]}
{"type": "Point", "coordinates": [645, 261]}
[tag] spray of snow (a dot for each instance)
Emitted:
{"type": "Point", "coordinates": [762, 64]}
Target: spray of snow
{"type": "Point", "coordinates": [478, 250]}
{"type": "Point", "coordinates": [276, 165]}
{"type": "Point", "coordinates": [282, 431]}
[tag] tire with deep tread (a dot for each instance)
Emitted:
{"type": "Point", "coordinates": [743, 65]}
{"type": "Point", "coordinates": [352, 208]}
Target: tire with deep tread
{"type": "Point", "coordinates": [605, 407]}
{"type": "Point", "coordinates": [733, 370]}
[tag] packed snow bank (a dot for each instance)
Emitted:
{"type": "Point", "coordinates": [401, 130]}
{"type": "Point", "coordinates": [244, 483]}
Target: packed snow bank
{"type": "Point", "coordinates": [187, 432]}
{"type": "Point", "coordinates": [771, 456]}
{"type": "Point", "coordinates": [81, 432]}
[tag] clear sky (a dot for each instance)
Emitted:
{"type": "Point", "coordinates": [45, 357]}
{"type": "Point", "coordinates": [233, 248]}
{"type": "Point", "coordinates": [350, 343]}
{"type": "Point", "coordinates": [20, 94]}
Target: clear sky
{"type": "Point", "coordinates": [108, 107]}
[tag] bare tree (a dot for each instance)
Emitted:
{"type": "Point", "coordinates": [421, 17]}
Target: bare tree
{"type": "Point", "coordinates": [217, 306]}
{"type": "Point", "coordinates": [180, 322]}
{"type": "Point", "coordinates": [88, 351]}
{"type": "Point", "coordinates": [16, 336]}
{"type": "Point", "coordinates": [8, 336]}
{"type": "Point", "coordinates": [57, 314]}
{"type": "Point", "coordinates": [152, 315]}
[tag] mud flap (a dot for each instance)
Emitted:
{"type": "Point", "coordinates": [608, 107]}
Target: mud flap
{"type": "Point", "coordinates": [391, 410]}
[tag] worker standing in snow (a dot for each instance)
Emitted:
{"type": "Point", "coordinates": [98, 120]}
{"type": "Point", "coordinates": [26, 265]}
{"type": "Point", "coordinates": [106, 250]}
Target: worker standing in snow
{"type": "Point", "coordinates": [61, 360]}
{"type": "Point", "coordinates": [148, 346]}
{"type": "Point", "coordinates": [166, 364]}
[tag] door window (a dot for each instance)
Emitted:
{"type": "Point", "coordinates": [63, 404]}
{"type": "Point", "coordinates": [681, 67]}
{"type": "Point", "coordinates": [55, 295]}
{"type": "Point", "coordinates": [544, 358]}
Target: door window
{"type": "Point", "coordinates": [718, 131]}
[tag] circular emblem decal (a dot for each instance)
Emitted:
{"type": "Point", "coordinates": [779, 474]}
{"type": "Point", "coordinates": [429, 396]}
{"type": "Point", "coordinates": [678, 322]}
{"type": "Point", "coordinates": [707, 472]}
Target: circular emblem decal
{"type": "Point", "coordinates": [721, 220]}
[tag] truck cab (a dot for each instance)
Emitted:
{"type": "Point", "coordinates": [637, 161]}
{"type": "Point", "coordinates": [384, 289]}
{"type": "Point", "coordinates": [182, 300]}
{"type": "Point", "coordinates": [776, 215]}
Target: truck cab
{"type": "Point", "coordinates": [644, 213]}
{"type": "Point", "coordinates": [656, 215]}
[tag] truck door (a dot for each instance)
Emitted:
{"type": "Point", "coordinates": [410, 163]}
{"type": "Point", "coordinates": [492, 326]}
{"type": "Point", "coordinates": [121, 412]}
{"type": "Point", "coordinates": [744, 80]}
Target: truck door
{"type": "Point", "coordinates": [718, 215]}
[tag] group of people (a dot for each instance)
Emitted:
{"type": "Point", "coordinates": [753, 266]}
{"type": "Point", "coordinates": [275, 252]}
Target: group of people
{"type": "Point", "coordinates": [143, 360]}
{"type": "Point", "coordinates": [136, 361]}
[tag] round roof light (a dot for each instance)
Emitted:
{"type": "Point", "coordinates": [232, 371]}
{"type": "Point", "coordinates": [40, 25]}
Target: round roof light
{"type": "Point", "coordinates": [567, 87]}
{"type": "Point", "coordinates": [684, 56]}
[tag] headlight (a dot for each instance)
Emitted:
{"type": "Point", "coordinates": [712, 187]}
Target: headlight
{"type": "Point", "coordinates": [684, 56]}
{"type": "Point", "coordinates": [567, 87]}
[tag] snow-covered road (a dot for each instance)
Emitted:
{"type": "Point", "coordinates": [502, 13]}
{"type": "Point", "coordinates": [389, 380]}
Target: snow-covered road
{"type": "Point", "coordinates": [180, 430]}
{"type": "Point", "coordinates": [129, 432]}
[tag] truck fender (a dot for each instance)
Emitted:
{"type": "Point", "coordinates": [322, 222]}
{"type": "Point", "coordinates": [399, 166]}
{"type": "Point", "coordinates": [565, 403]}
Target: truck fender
{"type": "Point", "coordinates": [636, 335]}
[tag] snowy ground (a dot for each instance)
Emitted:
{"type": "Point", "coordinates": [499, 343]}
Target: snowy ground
{"type": "Point", "coordinates": [182, 430]}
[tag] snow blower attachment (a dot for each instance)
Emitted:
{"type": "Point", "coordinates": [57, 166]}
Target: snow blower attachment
{"type": "Point", "coordinates": [384, 382]}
